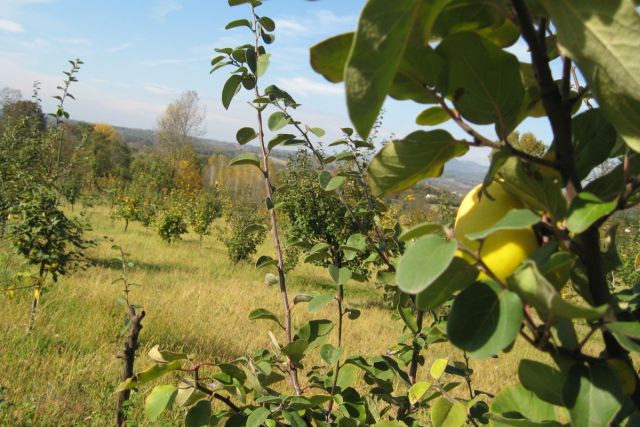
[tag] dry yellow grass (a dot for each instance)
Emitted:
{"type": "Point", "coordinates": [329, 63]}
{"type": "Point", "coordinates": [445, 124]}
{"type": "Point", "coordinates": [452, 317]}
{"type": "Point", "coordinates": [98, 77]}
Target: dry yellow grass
{"type": "Point", "coordinates": [65, 371]}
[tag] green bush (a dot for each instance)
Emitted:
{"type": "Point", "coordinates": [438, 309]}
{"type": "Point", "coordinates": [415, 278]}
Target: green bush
{"type": "Point", "coordinates": [170, 225]}
{"type": "Point", "coordinates": [244, 232]}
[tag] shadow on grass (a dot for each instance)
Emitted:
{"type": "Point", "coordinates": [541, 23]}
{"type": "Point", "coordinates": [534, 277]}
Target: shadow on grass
{"type": "Point", "coordinates": [114, 264]}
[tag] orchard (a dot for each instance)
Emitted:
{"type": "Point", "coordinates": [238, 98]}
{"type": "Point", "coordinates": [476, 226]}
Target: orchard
{"type": "Point", "coordinates": [541, 255]}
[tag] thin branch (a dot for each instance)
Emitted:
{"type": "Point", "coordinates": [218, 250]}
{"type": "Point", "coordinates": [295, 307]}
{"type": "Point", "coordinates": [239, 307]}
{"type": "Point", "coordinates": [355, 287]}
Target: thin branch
{"type": "Point", "coordinates": [293, 372]}
{"type": "Point", "coordinates": [211, 393]}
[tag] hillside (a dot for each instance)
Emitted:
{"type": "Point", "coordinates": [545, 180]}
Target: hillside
{"type": "Point", "coordinates": [459, 175]}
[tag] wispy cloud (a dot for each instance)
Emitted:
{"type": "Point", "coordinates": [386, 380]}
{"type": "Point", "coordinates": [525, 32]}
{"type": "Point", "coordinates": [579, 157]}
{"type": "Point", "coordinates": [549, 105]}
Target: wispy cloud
{"type": "Point", "coordinates": [75, 41]}
{"type": "Point", "coordinates": [164, 8]}
{"type": "Point", "coordinates": [35, 44]}
{"type": "Point", "coordinates": [158, 89]}
{"type": "Point", "coordinates": [13, 6]}
{"type": "Point", "coordinates": [171, 61]}
{"type": "Point", "coordinates": [313, 23]}
{"type": "Point", "coordinates": [123, 46]}
{"type": "Point", "coordinates": [291, 26]}
{"type": "Point", "coordinates": [108, 82]}
{"type": "Point", "coordinates": [10, 26]}
{"type": "Point", "coordinates": [305, 87]}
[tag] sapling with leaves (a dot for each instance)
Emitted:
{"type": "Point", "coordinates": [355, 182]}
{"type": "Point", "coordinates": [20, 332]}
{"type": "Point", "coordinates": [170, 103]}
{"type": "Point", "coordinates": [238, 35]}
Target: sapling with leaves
{"type": "Point", "coordinates": [443, 57]}
{"type": "Point", "coordinates": [47, 239]}
{"type": "Point", "coordinates": [452, 56]}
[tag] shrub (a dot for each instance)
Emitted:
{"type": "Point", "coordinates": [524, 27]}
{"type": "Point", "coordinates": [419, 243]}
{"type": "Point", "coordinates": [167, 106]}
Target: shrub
{"type": "Point", "coordinates": [244, 233]}
{"type": "Point", "coordinates": [170, 225]}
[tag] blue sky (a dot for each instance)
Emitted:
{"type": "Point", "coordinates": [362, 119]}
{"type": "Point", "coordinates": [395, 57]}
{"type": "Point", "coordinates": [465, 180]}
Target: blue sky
{"type": "Point", "coordinates": [140, 55]}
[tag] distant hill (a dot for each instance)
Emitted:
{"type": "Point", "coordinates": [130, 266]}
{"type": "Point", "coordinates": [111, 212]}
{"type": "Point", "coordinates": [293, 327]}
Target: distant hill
{"type": "Point", "coordinates": [459, 175]}
{"type": "Point", "coordinates": [144, 139]}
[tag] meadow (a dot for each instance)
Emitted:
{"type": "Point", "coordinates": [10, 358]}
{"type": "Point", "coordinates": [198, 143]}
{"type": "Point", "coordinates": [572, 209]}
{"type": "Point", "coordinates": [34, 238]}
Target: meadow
{"type": "Point", "coordinates": [65, 371]}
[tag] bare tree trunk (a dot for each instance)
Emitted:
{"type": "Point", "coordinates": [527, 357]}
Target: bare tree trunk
{"type": "Point", "coordinates": [128, 355]}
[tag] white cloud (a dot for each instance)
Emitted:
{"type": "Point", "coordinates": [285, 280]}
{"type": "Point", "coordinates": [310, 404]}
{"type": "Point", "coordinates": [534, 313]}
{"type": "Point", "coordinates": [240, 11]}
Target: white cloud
{"type": "Point", "coordinates": [171, 61]}
{"type": "Point", "coordinates": [158, 89]}
{"type": "Point", "coordinates": [10, 26]}
{"type": "Point", "coordinates": [109, 82]}
{"type": "Point", "coordinates": [164, 8]}
{"type": "Point", "coordinates": [305, 87]}
{"type": "Point", "coordinates": [328, 18]}
{"type": "Point", "coordinates": [35, 44]}
{"type": "Point", "coordinates": [76, 41]}
{"type": "Point", "coordinates": [289, 26]}
{"type": "Point", "coordinates": [315, 22]}
{"type": "Point", "coordinates": [123, 46]}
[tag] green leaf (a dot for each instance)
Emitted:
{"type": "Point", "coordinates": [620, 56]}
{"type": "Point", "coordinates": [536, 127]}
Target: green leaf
{"type": "Point", "coordinates": [295, 350]}
{"type": "Point", "coordinates": [345, 155]}
{"type": "Point", "coordinates": [592, 394]}
{"type": "Point", "coordinates": [484, 319]}
{"type": "Point", "coordinates": [262, 64]}
{"type": "Point", "coordinates": [329, 57]}
{"type": "Point", "coordinates": [319, 301]}
{"type": "Point", "coordinates": [437, 368]}
{"type": "Point", "coordinates": [267, 23]}
{"type": "Point", "coordinates": [402, 163]}
{"type": "Point", "coordinates": [347, 375]}
{"type": "Point", "coordinates": [238, 23]}
{"type": "Point", "coordinates": [245, 159]}
{"type": "Point", "coordinates": [261, 313]}
{"type": "Point", "coordinates": [545, 381]}
{"type": "Point", "coordinates": [316, 131]}
{"type": "Point", "coordinates": [627, 334]}
{"type": "Point", "coordinates": [330, 354]}
{"type": "Point", "coordinates": [245, 135]}
{"type": "Point", "coordinates": [258, 417]}
{"type": "Point", "coordinates": [586, 209]}
{"type": "Point", "coordinates": [533, 186]}
{"type": "Point", "coordinates": [457, 277]}
{"type": "Point", "coordinates": [165, 356]}
{"type": "Point", "coordinates": [603, 38]}
{"type": "Point", "coordinates": [160, 398]}
{"type": "Point", "coordinates": [517, 219]}
{"type": "Point", "coordinates": [407, 314]}
{"type": "Point", "coordinates": [484, 81]}
{"type": "Point", "coordinates": [279, 139]}
{"type": "Point", "coordinates": [230, 89]}
{"type": "Point", "coordinates": [334, 183]}
{"type": "Point", "coordinates": [536, 290]}
{"type": "Point", "coordinates": [357, 241]}
{"type": "Point", "coordinates": [268, 38]}
{"type": "Point", "coordinates": [424, 262]}
{"type": "Point", "coordinates": [265, 261]}
{"type": "Point", "coordinates": [378, 47]}
{"type": "Point", "coordinates": [294, 419]}
{"type": "Point", "coordinates": [593, 140]}
{"type": "Point", "coordinates": [341, 275]}
{"type": "Point", "coordinates": [445, 413]}
{"type": "Point", "coordinates": [314, 332]}
{"type": "Point", "coordinates": [516, 406]}
{"type": "Point", "coordinates": [277, 121]}
{"type": "Point", "coordinates": [432, 117]}
{"type": "Point", "coordinates": [417, 391]}
{"type": "Point", "coordinates": [150, 374]}
{"type": "Point", "coordinates": [199, 415]}
{"type": "Point", "coordinates": [420, 230]}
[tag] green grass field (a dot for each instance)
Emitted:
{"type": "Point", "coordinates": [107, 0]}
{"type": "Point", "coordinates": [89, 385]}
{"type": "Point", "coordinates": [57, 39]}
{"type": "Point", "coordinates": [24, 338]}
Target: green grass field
{"type": "Point", "coordinates": [65, 371]}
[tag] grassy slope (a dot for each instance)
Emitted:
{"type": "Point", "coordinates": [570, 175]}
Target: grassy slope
{"type": "Point", "coordinates": [64, 373]}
